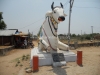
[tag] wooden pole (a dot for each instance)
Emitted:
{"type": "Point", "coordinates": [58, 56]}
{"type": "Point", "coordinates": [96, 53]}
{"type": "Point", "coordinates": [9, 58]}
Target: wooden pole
{"type": "Point", "coordinates": [35, 63]}
{"type": "Point", "coordinates": [79, 58]}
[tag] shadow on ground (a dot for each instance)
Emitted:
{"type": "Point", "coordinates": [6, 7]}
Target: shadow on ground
{"type": "Point", "coordinates": [59, 70]}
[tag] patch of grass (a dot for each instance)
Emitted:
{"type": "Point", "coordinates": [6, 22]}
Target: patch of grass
{"type": "Point", "coordinates": [23, 56]}
{"type": "Point", "coordinates": [14, 74]}
{"type": "Point", "coordinates": [28, 55]}
{"type": "Point", "coordinates": [16, 65]}
{"type": "Point", "coordinates": [21, 59]}
{"type": "Point", "coordinates": [21, 65]}
{"type": "Point", "coordinates": [16, 59]}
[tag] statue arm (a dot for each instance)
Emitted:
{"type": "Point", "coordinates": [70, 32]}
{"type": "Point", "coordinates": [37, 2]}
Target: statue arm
{"type": "Point", "coordinates": [62, 46]}
{"type": "Point", "coordinates": [44, 44]}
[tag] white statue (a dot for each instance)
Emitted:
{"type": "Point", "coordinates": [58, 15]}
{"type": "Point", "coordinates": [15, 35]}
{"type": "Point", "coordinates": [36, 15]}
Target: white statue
{"type": "Point", "coordinates": [48, 32]}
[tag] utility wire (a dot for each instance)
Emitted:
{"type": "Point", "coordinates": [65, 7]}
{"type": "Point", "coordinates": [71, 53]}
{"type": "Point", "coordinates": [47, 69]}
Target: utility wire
{"type": "Point", "coordinates": [40, 19]}
{"type": "Point", "coordinates": [66, 10]}
{"type": "Point", "coordinates": [36, 29]}
{"type": "Point", "coordinates": [32, 23]}
{"type": "Point", "coordinates": [86, 7]}
{"type": "Point", "coordinates": [66, 3]}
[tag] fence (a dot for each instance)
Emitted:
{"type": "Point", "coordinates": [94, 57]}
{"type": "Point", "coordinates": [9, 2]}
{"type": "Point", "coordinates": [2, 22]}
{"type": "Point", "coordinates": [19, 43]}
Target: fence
{"type": "Point", "coordinates": [76, 45]}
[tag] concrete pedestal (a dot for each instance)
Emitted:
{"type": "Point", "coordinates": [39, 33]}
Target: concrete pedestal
{"type": "Point", "coordinates": [46, 58]}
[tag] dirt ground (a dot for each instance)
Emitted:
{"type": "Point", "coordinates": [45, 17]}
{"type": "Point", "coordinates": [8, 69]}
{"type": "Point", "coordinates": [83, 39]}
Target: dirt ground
{"type": "Point", "coordinates": [91, 63]}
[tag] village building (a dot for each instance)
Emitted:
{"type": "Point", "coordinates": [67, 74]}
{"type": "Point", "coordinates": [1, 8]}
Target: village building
{"type": "Point", "coordinates": [12, 38]}
{"type": "Point", "coordinates": [6, 37]}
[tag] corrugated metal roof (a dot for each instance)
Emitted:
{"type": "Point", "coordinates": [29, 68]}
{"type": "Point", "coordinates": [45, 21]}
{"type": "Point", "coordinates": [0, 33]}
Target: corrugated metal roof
{"type": "Point", "coordinates": [7, 32]}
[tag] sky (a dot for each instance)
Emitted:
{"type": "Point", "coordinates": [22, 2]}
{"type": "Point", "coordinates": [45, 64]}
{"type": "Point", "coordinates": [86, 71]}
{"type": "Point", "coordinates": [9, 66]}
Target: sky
{"type": "Point", "coordinates": [29, 15]}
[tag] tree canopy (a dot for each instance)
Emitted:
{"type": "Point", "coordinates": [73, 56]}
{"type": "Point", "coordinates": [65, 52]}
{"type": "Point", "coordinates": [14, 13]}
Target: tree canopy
{"type": "Point", "coordinates": [2, 23]}
{"type": "Point", "coordinates": [1, 16]}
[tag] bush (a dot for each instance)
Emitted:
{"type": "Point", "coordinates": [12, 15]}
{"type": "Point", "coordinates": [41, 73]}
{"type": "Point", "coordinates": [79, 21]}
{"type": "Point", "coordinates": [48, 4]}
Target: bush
{"type": "Point", "coordinates": [88, 37]}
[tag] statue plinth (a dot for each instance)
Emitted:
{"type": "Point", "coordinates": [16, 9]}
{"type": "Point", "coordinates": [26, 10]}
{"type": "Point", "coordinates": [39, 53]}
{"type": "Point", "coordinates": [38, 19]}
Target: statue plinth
{"type": "Point", "coordinates": [46, 59]}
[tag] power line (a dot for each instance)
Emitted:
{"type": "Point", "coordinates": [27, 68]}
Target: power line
{"type": "Point", "coordinates": [66, 3]}
{"type": "Point", "coordinates": [66, 10]}
{"type": "Point", "coordinates": [88, 1]}
{"type": "Point", "coordinates": [40, 19]}
{"type": "Point", "coordinates": [86, 7]}
{"type": "Point", "coordinates": [36, 29]}
{"type": "Point", "coordinates": [32, 23]}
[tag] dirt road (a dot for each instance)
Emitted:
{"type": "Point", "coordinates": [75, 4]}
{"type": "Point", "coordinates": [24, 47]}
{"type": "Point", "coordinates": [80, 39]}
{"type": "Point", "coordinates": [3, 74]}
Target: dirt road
{"type": "Point", "coordinates": [91, 64]}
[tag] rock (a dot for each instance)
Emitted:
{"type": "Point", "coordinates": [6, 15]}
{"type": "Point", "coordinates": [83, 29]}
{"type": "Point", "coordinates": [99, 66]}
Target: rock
{"type": "Point", "coordinates": [29, 70]}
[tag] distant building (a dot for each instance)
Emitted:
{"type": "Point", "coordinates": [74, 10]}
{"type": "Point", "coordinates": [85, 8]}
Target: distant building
{"type": "Point", "coordinates": [62, 36]}
{"type": "Point", "coordinates": [97, 37]}
{"type": "Point", "coordinates": [6, 36]}
{"type": "Point", "coordinates": [35, 37]}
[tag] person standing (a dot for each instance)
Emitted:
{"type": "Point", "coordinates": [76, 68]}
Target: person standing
{"type": "Point", "coordinates": [25, 43]}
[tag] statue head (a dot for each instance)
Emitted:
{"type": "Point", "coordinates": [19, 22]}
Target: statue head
{"type": "Point", "coordinates": [58, 12]}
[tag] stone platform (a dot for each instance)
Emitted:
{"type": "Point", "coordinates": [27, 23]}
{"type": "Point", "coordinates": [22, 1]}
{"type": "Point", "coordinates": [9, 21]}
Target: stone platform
{"type": "Point", "coordinates": [47, 59]}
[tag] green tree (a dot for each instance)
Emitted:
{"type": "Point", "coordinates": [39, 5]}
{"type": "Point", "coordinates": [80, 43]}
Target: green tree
{"type": "Point", "coordinates": [81, 38]}
{"type": "Point", "coordinates": [73, 35]}
{"type": "Point", "coordinates": [88, 37]}
{"type": "Point", "coordinates": [1, 16]}
{"type": "Point", "coordinates": [2, 23]}
{"type": "Point", "coordinates": [78, 35]}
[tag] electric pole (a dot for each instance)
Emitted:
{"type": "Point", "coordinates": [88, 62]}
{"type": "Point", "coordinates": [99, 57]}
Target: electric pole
{"type": "Point", "coordinates": [28, 34]}
{"type": "Point", "coordinates": [81, 32]}
{"type": "Point", "coordinates": [32, 34]}
{"type": "Point", "coordinates": [71, 5]}
{"type": "Point", "coordinates": [92, 31]}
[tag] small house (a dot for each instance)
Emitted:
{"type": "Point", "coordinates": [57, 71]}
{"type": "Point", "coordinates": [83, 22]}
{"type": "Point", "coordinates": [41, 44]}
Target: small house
{"type": "Point", "coordinates": [6, 36]}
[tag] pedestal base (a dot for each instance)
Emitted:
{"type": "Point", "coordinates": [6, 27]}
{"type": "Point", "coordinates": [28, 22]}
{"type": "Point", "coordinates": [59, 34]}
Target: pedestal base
{"type": "Point", "coordinates": [46, 58]}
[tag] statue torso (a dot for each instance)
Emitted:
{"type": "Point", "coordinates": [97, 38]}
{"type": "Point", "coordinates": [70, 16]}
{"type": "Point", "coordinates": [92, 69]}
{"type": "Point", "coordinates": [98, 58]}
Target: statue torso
{"type": "Point", "coordinates": [49, 32]}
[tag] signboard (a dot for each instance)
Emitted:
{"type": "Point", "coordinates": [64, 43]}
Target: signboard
{"type": "Point", "coordinates": [58, 57]}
